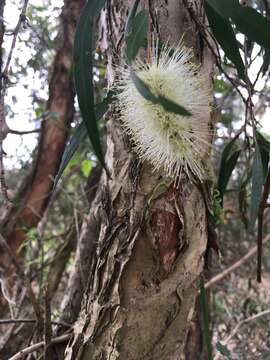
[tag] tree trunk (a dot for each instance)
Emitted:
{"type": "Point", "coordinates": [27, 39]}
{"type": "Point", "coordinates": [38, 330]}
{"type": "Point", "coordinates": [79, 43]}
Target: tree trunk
{"type": "Point", "coordinates": [141, 287]}
{"type": "Point", "coordinates": [36, 191]}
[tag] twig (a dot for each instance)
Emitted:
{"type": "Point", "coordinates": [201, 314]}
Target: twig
{"type": "Point", "coordinates": [26, 132]}
{"type": "Point", "coordinates": [27, 282]}
{"type": "Point", "coordinates": [3, 133]}
{"type": "Point", "coordinates": [30, 321]}
{"type": "Point", "coordinates": [47, 323]}
{"type": "Point", "coordinates": [236, 265]}
{"type": "Point", "coordinates": [22, 18]}
{"type": "Point", "coordinates": [266, 6]}
{"type": "Point", "coordinates": [206, 34]}
{"type": "Point", "coordinates": [30, 349]}
{"type": "Point", "coordinates": [3, 85]}
{"type": "Point", "coordinates": [241, 323]}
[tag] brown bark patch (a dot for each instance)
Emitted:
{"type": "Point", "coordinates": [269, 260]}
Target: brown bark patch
{"type": "Point", "coordinates": [167, 228]}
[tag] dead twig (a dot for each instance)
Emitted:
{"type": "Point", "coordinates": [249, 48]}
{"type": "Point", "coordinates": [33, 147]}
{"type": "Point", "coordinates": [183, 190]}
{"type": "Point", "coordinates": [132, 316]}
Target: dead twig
{"type": "Point", "coordinates": [26, 281]}
{"type": "Point", "coordinates": [236, 265]}
{"type": "Point", "coordinates": [241, 323]}
{"type": "Point", "coordinates": [3, 85]}
{"type": "Point", "coordinates": [30, 321]}
{"type": "Point", "coordinates": [263, 206]}
{"type": "Point", "coordinates": [26, 132]}
{"type": "Point", "coordinates": [47, 323]}
{"type": "Point", "coordinates": [22, 18]}
{"type": "Point", "coordinates": [30, 349]}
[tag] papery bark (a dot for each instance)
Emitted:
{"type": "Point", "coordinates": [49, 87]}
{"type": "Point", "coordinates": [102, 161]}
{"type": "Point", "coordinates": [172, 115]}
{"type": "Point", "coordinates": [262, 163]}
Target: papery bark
{"type": "Point", "coordinates": [142, 284]}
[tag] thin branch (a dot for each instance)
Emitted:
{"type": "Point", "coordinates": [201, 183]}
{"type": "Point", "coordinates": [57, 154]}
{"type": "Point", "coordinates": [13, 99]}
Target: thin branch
{"type": "Point", "coordinates": [26, 132]}
{"type": "Point", "coordinates": [236, 265]}
{"type": "Point", "coordinates": [206, 34]}
{"type": "Point", "coordinates": [3, 85]}
{"type": "Point", "coordinates": [262, 207]}
{"type": "Point", "coordinates": [30, 349]}
{"type": "Point", "coordinates": [25, 279]}
{"type": "Point", "coordinates": [241, 323]}
{"type": "Point", "coordinates": [3, 133]}
{"type": "Point", "coordinates": [22, 19]}
{"type": "Point", "coordinates": [47, 323]}
{"type": "Point", "coordinates": [266, 6]}
{"type": "Point", "coordinates": [30, 321]}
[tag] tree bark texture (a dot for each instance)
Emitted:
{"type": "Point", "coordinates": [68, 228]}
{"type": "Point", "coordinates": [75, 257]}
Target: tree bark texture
{"type": "Point", "coordinates": [2, 28]}
{"type": "Point", "coordinates": [35, 193]}
{"type": "Point", "coordinates": [142, 283]}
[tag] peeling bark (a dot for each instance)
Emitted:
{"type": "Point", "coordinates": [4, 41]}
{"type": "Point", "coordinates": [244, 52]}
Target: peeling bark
{"type": "Point", "coordinates": [142, 284]}
{"type": "Point", "coordinates": [35, 193]}
{"type": "Point", "coordinates": [2, 28]}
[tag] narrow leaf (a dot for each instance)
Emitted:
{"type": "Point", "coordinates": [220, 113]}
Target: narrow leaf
{"type": "Point", "coordinates": [262, 141]}
{"type": "Point", "coordinates": [228, 161]}
{"type": "Point", "coordinates": [79, 137]}
{"type": "Point", "coordinates": [206, 327]}
{"type": "Point", "coordinates": [264, 147]}
{"type": "Point", "coordinates": [223, 350]}
{"type": "Point", "coordinates": [83, 72]}
{"type": "Point", "coordinates": [257, 185]}
{"type": "Point", "coordinates": [138, 34]}
{"type": "Point", "coordinates": [131, 15]}
{"type": "Point", "coordinates": [247, 20]}
{"type": "Point", "coordinates": [254, 25]}
{"type": "Point", "coordinates": [225, 9]}
{"type": "Point", "coordinates": [167, 104]}
{"type": "Point", "coordinates": [224, 34]}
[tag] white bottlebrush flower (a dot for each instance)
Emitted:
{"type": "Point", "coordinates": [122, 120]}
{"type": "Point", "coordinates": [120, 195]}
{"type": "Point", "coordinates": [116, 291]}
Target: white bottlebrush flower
{"type": "Point", "coordinates": [167, 140]}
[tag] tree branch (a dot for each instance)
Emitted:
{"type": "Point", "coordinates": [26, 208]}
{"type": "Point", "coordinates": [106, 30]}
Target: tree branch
{"type": "Point", "coordinates": [30, 349]}
{"type": "Point", "coordinates": [263, 206]}
{"type": "Point", "coordinates": [17, 132]}
{"type": "Point", "coordinates": [235, 266]}
{"type": "Point", "coordinates": [30, 321]}
{"type": "Point", "coordinates": [241, 323]}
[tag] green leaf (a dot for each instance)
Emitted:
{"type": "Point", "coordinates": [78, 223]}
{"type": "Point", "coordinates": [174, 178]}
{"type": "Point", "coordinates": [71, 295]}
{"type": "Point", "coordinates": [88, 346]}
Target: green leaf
{"type": "Point", "coordinates": [263, 141]}
{"type": "Point", "coordinates": [225, 9]}
{"type": "Point", "coordinates": [264, 147]}
{"type": "Point", "coordinates": [228, 161]}
{"type": "Point", "coordinates": [83, 72]}
{"type": "Point", "coordinates": [131, 15]}
{"type": "Point", "coordinates": [205, 322]}
{"type": "Point", "coordinates": [247, 20]}
{"type": "Point", "coordinates": [254, 25]}
{"type": "Point", "coordinates": [221, 86]}
{"type": "Point", "coordinates": [257, 185]}
{"type": "Point", "coordinates": [86, 167]}
{"type": "Point", "coordinates": [79, 136]}
{"type": "Point", "coordinates": [259, 173]}
{"type": "Point", "coordinates": [167, 104]}
{"type": "Point", "coordinates": [224, 34]}
{"type": "Point", "coordinates": [223, 350]}
{"type": "Point", "coordinates": [226, 119]}
{"type": "Point", "coordinates": [138, 34]}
